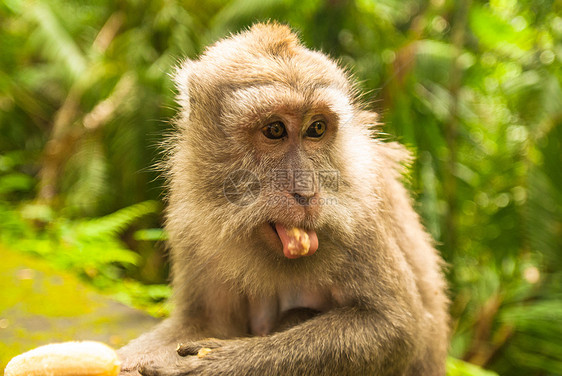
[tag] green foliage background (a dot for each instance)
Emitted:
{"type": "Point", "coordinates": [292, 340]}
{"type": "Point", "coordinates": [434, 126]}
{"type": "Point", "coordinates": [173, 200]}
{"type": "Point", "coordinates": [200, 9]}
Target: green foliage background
{"type": "Point", "coordinates": [473, 88]}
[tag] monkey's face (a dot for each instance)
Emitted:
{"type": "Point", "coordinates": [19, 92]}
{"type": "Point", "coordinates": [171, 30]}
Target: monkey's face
{"type": "Point", "coordinates": [286, 138]}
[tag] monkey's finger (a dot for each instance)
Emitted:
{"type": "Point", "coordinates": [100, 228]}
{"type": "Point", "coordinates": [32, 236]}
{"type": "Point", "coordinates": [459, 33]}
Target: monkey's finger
{"type": "Point", "coordinates": [194, 348]}
{"type": "Point", "coordinates": [150, 371]}
{"type": "Point", "coordinates": [186, 349]}
{"type": "Point", "coordinates": [181, 368]}
{"type": "Point", "coordinates": [156, 371]}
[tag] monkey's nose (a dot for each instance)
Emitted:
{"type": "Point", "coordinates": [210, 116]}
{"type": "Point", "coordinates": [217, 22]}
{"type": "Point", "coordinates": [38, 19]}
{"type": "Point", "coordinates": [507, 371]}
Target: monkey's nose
{"type": "Point", "coordinates": [303, 199]}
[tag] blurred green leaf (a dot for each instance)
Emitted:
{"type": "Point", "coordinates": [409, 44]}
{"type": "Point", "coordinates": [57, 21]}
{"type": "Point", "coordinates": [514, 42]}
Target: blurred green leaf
{"type": "Point", "coordinates": [153, 234]}
{"type": "Point", "coordinates": [456, 367]}
{"type": "Point", "coordinates": [496, 33]}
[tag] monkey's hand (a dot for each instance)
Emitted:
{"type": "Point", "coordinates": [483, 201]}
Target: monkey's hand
{"type": "Point", "coordinates": [197, 358]}
{"type": "Point", "coordinates": [153, 349]}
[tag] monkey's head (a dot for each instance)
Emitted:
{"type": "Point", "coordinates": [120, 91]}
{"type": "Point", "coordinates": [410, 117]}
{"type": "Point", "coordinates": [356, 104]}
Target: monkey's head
{"type": "Point", "coordinates": [272, 148]}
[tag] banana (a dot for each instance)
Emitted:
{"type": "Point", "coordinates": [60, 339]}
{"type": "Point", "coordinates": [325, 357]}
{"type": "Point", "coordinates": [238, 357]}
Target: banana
{"type": "Point", "coordinates": [86, 358]}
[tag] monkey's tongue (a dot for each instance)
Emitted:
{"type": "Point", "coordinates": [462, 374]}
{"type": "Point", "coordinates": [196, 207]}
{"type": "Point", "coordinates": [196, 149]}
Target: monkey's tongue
{"type": "Point", "coordinates": [296, 241]}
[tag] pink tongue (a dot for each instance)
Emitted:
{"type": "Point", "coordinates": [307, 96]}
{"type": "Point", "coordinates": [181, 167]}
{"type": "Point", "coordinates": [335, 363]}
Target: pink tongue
{"type": "Point", "coordinates": [293, 246]}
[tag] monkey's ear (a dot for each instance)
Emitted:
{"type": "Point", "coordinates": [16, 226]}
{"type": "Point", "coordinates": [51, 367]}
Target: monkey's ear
{"type": "Point", "coordinates": [182, 77]}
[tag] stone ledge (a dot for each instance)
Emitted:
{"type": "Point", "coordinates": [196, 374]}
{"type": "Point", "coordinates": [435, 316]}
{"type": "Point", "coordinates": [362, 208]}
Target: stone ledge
{"type": "Point", "coordinates": [40, 305]}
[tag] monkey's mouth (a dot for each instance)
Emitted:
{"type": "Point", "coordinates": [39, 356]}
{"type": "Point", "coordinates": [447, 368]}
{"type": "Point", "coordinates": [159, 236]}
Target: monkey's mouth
{"type": "Point", "coordinates": [297, 242]}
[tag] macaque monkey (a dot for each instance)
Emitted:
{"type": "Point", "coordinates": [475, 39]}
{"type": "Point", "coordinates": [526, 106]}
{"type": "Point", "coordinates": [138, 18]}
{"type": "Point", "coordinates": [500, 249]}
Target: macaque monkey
{"type": "Point", "coordinates": [295, 249]}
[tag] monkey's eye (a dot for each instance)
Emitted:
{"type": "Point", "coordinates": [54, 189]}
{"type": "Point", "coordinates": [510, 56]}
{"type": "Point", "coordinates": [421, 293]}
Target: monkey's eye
{"type": "Point", "coordinates": [316, 129]}
{"type": "Point", "coordinates": [275, 130]}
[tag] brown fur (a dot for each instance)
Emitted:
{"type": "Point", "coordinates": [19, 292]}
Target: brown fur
{"type": "Point", "coordinates": [370, 301]}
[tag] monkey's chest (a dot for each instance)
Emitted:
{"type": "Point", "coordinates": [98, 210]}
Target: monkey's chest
{"type": "Point", "coordinates": [289, 308]}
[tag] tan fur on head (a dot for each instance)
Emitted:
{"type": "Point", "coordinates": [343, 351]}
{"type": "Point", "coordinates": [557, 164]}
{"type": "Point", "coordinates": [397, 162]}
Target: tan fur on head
{"type": "Point", "coordinates": [275, 39]}
{"type": "Point", "coordinates": [265, 54]}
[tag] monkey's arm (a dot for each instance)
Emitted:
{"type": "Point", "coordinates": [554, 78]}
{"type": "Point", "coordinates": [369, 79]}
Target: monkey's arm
{"type": "Point", "coordinates": [344, 341]}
